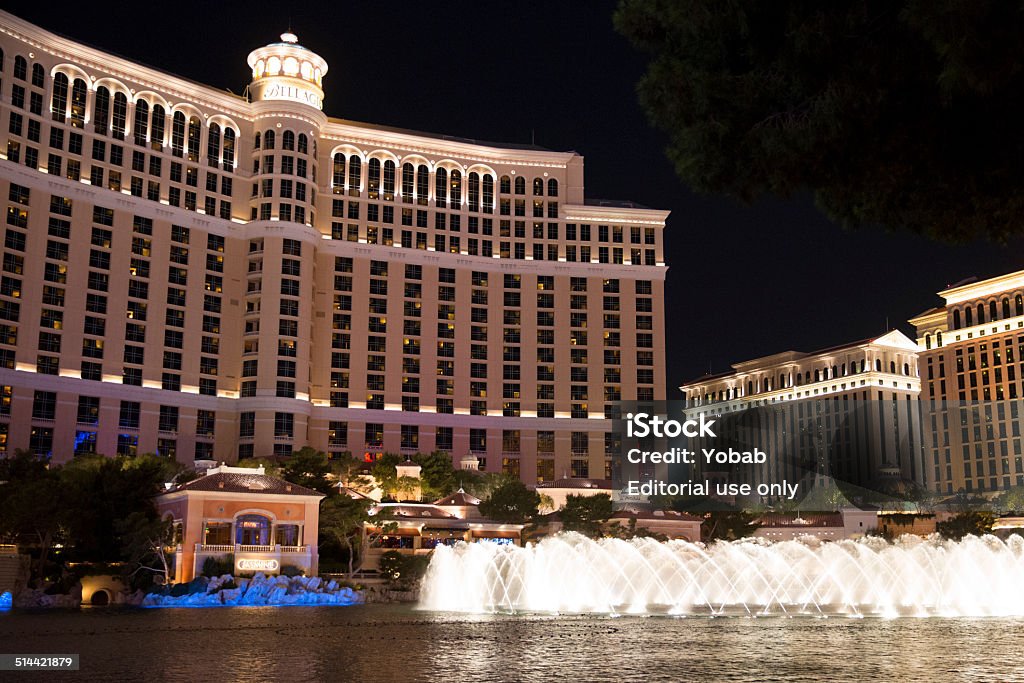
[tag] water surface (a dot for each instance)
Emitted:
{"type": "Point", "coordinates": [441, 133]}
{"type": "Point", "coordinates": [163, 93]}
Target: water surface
{"type": "Point", "coordinates": [400, 643]}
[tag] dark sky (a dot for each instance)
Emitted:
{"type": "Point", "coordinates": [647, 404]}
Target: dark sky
{"type": "Point", "coordinates": [744, 281]}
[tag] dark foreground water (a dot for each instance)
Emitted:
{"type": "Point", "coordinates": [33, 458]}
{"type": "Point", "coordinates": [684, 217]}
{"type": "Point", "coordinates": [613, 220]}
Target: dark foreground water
{"type": "Point", "coordinates": [397, 643]}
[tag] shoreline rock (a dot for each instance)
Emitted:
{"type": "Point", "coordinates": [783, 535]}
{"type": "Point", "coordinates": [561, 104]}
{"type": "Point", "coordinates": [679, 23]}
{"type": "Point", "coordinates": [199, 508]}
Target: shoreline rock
{"type": "Point", "coordinates": [226, 591]}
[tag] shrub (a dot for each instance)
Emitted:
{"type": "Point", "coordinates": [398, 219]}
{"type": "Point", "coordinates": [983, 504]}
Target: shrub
{"type": "Point", "coordinates": [218, 566]}
{"type": "Point", "coordinates": [390, 566]}
{"type": "Point", "coordinates": [291, 570]}
{"type": "Point", "coordinates": [403, 570]}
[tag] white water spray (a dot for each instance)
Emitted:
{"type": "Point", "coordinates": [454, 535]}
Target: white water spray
{"type": "Point", "coordinates": [569, 573]}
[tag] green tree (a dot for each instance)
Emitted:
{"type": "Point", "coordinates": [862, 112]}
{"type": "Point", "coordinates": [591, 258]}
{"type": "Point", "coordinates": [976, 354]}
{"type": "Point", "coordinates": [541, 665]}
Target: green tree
{"type": "Point", "coordinates": [727, 525]}
{"type": "Point", "coordinates": [511, 502]}
{"type": "Point", "coordinates": [384, 472]}
{"type": "Point", "coordinates": [308, 467]}
{"type": "Point", "coordinates": [585, 514]}
{"type": "Point", "coordinates": [1011, 500]}
{"type": "Point", "coordinates": [147, 544]}
{"type": "Point", "coordinates": [903, 113]}
{"type": "Point", "coordinates": [341, 520]}
{"type": "Point", "coordinates": [270, 467]}
{"type": "Point", "coordinates": [99, 491]}
{"type": "Point", "coordinates": [437, 473]}
{"type": "Point", "coordinates": [33, 513]}
{"type": "Point", "coordinates": [966, 523]}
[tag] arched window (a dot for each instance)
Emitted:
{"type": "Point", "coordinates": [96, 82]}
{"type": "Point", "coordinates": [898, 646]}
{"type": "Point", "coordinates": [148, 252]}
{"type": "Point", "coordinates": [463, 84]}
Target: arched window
{"type": "Point", "coordinates": [981, 313]}
{"type": "Point", "coordinates": [1018, 305]}
{"type": "Point", "coordinates": [373, 178]}
{"type": "Point", "coordinates": [956, 319]}
{"type": "Point", "coordinates": [968, 316]}
{"type": "Point", "coordinates": [520, 185]}
{"type": "Point", "coordinates": [750, 385]}
{"type": "Point", "coordinates": [422, 185]}
{"type": "Point", "coordinates": [140, 126]}
{"type": "Point", "coordinates": [20, 68]}
{"type": "Point", "coordinates": [538, 187]}
{"type": "Point", "coordinates": [38, 75]}
{"type": "Point", "coordinates": [488, 196]}
{"type": "Point", "coordinates": [441, 188]}
{"type": "Point", "coordinates": [505, 185]}
{"type": "Point", "coordinates": [213, 146]}
{"type": "Point", "coordinates": [229, 149]}
{"type": "Point", "coordinates": [101, 115]}
{"type": "Point", "coordinates": [892, 367]}
{"type": "Point", "coordinates": [817, 375]}
{"type": "Point", "coordinates": [178, 134]}
{"type": "Point", "coordinates": [288, 141]}
{"type": "Point", "coordinates": [389, 180]}
{"type": "Point", "coordinates": [119, 117]}
{"type": "Point", "coordinates": [474, 191]}
{"type": "Point", "coordinates": [993, 311]}
{"type": "Point", "coordinates": [938, 339]}
{"type": "Point", "coordinates": [928, 341]}
{"type": "Point", "coordinates": [338, 176]}
{"type": "Point", "coordinates": [268, 140]}
{"type": "Point", "coordinates": [355, 172]}
{"type": "Point", "coordinates": [252, 530]}
{"type": "Point", "coordinates": [303, 144]}
{"type": "Point", "coordinates": [157, 129]}
{"type": "Point", "coordinates": [455, 183]}
{"type": "Point", "coordinates": [906, 369]}
{"type": "Point", "coordinates": [78, 94]}
{"type": "Point", "coordinates": [408, 181]}
{"type": "Point", "coordinates": [835, 371]}
{"type": "Point", "coordinates": [552, 188]}
{"type": "Point", "coordinates": [59, 101]}
{"type": "Point", "coordinates": [195, 132]}
{"type": "Point", "coordinates": [256, 141]}
{"type": "Point", "coordinates": [782, 382]}
{"type": "Point", "coordinates": [766, 386]}
{"type": "Point", "coordinates": [878, 365]}
{"type": "Point", "coordinates": [1006, 307]}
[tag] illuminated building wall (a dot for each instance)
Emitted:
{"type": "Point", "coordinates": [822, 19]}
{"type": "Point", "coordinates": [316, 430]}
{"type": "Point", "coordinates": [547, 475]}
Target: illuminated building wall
{"type": "Point", "coordinates": [971, 354]}
{"type": "Point", "coordinates": [192, 273]}
{"type": "Point", "coordinates": [850, 412]}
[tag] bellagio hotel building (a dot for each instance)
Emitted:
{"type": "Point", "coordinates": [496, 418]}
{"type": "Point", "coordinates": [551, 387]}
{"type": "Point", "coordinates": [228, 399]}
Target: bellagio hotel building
{"type": "Point", "coordinates": [211, 276]}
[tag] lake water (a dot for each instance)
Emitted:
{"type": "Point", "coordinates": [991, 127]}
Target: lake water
{"type": "Point", "coordinates": [400, 643]}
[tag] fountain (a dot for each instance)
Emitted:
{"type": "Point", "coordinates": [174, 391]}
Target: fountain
{"type": "Point", "coordinates": [570, 573]}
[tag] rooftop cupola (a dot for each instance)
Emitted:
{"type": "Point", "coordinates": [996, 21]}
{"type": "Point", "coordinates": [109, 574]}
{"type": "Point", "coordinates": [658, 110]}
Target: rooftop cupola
{"type": "Point", "coordinates": [286, 71]}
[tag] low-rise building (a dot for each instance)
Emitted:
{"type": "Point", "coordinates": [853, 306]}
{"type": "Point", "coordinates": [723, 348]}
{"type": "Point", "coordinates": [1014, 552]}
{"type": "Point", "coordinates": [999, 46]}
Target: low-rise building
{"type": "Point", "coordinates": [418, 528]}
{"type": "Point", "coordinates": [258, 522]}
{"type": "Point", "coordinates": [669, 523]}
{"type": "Point", "coordinates": [826, 526]}
{"type": "Point", "coordinates": [558, 491]}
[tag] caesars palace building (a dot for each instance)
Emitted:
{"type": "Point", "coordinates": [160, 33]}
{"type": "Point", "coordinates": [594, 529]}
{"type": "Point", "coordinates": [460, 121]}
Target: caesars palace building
{"type": "Point", "coordinates": [211, 276]}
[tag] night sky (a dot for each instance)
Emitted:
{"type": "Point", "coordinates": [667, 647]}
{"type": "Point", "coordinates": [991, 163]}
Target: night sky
{"type": "Point", "coordinates": [744, 281]}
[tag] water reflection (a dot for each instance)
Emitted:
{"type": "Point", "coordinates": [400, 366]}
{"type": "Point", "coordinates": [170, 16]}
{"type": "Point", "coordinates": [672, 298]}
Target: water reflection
{"type": "Point", "coordinates": [392, 643]}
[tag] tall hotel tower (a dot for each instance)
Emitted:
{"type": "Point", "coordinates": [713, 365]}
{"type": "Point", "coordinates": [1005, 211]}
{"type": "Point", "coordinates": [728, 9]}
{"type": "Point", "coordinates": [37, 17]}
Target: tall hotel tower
{"type": "Point", "coordinates": [212, 276]}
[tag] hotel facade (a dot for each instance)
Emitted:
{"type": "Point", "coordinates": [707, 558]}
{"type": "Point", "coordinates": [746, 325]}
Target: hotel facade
{"type": "Point", "coordinates": [849, 412]}
{"type": "Point", "coordinates": [212, 276]}
{"type": "Point", "coordinates": [971, 350]}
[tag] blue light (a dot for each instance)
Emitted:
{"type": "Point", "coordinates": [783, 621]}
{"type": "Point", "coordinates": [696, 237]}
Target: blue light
{"type": "Point", "coordinates": [6, 600]}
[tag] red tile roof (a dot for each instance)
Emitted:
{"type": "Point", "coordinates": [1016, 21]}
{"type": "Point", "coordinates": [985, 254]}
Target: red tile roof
{"type": "Point", "coordinates": [572, 483]}
{"type": "Point", "coordinates": [792, 521]}
{"type": "Point", "coordinates": [232, 482]}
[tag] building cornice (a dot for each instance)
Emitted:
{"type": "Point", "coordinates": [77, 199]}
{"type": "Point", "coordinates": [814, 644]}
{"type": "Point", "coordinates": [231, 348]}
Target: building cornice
{"type": "Point", "coordinates": [372, 138]}
{"type": "Point", "coordinates": [118, 67]}
{"type": "Point", "coordinates": [985, 288]}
